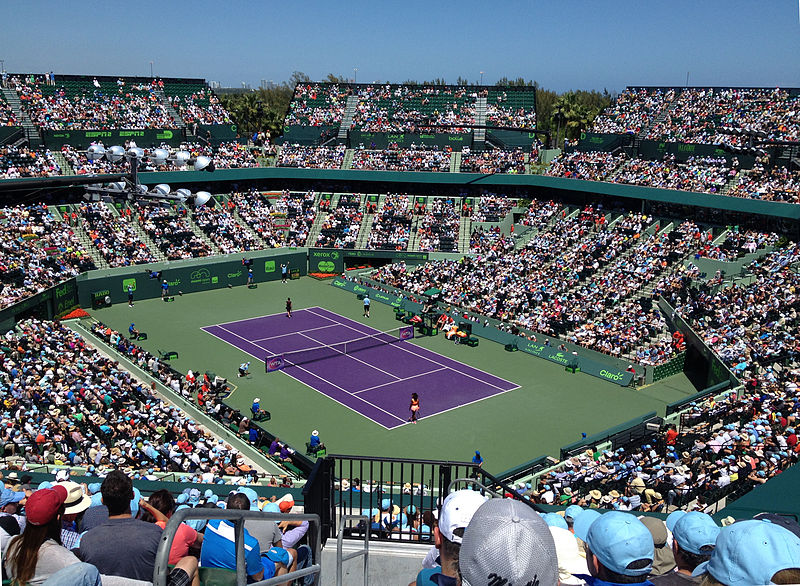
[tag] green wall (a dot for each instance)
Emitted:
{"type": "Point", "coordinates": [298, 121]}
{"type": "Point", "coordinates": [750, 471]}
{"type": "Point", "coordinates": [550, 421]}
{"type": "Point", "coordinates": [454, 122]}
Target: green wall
{"type": "Point", "coordinates": [55, 139]}
{"type": "Point", "coordinates": [187, 276]}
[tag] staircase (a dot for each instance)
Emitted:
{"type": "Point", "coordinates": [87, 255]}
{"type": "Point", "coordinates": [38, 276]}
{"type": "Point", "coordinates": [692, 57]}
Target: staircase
{"type": "Point", "coordinates": [314, 231]}
{"type": "Point", "coordinates": [480, 120]}
{"type": "Point", "coordinates": [179, 123]}
{"type": "Point", "coordinates": [145, 237]}
{"type": "Point", "coordinates": [364, 230]}
{"type": "Point", "coordinates": [660, 118]}
{"type": "Point", "coordinates": [455, 162]}
{"type": "Point", "coordinates": [247, 228]}
{"type": "Point", "coordinates": [347, 161]}
{"type": "Point", "coordinates": [202, 235]}
{"type": "Point", "coordinates": [66, 168]}
{"type": "Point", "coordinates": [31, 132]}
{"type": "Point", "coordinates": [86, 241]}
{"type": "Point", "coordinates": [731, 184]}
{"type": "Point", "coordinates": [464, 234]}
{"type": "Point", "coordinates": [347, 120]}
{"type": "Point", "coordinates": [413, 238]}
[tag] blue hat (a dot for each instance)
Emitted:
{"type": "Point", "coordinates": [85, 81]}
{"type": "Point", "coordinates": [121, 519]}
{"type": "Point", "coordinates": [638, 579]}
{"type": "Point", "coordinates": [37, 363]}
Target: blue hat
{"type": "Point", "coordinates": [182, 498]}
{"type": "Point", "coordinates": [97, 500]}
{"type": "Point", "coordinates": [212, 499]}
{"type": "Point", "coordinates": [695, 530]}
{"type": "Point", "coordinates": [584, 521]}
{"type": "Point", "coordinates": [673, 518]}
{"type": "Point", "coordinates": [9, 496]}
{"type": "Point", "coordinates": [46, 484]}
{"type": "Point", "coordinates": [573, 511]}
{"type": "Point", "coordinates": [252, 497]}
{"type": "Point", "coordinates": [751, 552]}
{"type": "Point", "coordinates": [208, 493]}
{"type": "Point", "coordinates": [279, 555]}
{"type": "Point", "coordinates": [555, 520]}
{"type": "Point", "coordinates": [386, 504]}
{"type": "Point", "coordinates": [271, 508]}
{"type": "Point", "coordinates": [94, 487]}
{"type": "Point", "coordinates": [617, 539]}
{"type": "Point", "coordinates": [411, 509]}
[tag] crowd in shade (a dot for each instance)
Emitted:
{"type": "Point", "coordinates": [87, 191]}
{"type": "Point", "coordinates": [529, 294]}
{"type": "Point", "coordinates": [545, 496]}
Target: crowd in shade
{"type": "Point", "coordinates": [737, 243]}
{"type": "Point", "coordinates": [22, 162]}
{"type": "Point", "coordinates": [114, 236]}
{"type": "Point", "coordinates": [315, 104]}
{"type": "Point", "coordinates": [219, 224]}
{"type": "Point", "coordinates": [286, 221]}
{"type": "Point", "coordinates": [307, 157]}
{"type": "Point", "coordinates": [37, 251]}
{"type": "Point", "coordinates": [416, 158]}
{"type": "Point", "coordinates": [391, 225]}
{"type": "Point", "coordinates": [341, 225]}
{"type": "Point", "coordinates": [171, 231]}
{"type": "Point", "coordinates": [488, 208]}
{"type": "Point", "coordinates": [493, 161]}
{"type": "Point", "coordinates": [440, 226]}
{"type": "Point", "coordinates": [731, 117]}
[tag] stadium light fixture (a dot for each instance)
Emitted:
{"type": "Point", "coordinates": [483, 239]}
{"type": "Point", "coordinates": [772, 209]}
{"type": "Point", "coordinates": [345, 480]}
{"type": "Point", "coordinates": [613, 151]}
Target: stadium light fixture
{"type": "Point", "coordinates": [130, 189]}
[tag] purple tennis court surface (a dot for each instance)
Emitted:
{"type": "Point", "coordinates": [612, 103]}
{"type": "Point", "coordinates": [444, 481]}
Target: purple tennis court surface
{"type": "Point", "coordinates": [375, 382]}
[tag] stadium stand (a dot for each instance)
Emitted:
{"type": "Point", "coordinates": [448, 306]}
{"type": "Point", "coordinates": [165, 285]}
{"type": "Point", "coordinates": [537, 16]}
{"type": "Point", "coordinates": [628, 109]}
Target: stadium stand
{"type": "Point", "coordinates": [494, 161]}
{"type": "Point", "coordinates": [22, 162]}
{"type": "Point", "coordinates": [413, 159]}
{"type": "Point", "coordinates": [311, 157]}
{"type": "Point", "coordinates": [340, 227]}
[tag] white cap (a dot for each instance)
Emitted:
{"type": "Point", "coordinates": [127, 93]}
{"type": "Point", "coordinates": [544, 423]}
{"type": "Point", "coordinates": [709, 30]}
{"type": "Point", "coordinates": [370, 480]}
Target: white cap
{"type": "Point", "coordinates": [457, 511]}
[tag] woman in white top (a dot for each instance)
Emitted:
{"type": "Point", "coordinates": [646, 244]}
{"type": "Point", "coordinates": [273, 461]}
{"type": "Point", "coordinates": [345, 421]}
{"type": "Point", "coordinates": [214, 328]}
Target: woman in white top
{"type": "Point", "coordinates": [37, 554]}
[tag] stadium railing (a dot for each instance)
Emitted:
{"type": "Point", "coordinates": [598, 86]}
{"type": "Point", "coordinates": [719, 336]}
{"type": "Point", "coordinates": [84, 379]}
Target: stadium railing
{"type": "Point", "coordinates": [161, 571]}
{"type": "Point", "coordinates": [421, 484]}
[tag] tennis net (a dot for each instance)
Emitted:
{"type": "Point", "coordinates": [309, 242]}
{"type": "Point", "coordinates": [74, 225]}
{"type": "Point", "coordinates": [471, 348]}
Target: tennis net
{"type": "Point", "coordinates": [297, 357]}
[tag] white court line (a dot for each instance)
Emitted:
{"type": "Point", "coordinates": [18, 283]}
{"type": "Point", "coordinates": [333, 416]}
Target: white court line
{"type": "Point", "coordinates": [315, 375]}
{"type": "Point", "coordinates": [242, 338]}
{"type": "Point", "coordinates": [402, 380]}
{"type": "Point", "coordinates": [405, 349]}
{"type": "Point", "coordinates": [292, 333]}
{"type": "Point", "coordinates": [317, 390]}
{"type": "Point", "coordinates": [394, 376]}
{"type": "Point", "coordinates": [225, 323]}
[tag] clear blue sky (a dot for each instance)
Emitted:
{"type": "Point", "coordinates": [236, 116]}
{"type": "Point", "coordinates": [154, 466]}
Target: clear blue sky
{"type": "Point", "coordinates": [563, 44]}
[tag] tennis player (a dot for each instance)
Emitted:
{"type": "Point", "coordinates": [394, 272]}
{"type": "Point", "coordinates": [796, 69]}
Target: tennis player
{"type": "Point", "coordinates": [414, 408]}
{"type": "Point", "coordinates": [288, 307]}
{"type": "Point", "coordinates": [366, 305]}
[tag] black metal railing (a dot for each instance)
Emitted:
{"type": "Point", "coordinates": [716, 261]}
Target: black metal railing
{"type": "Point", "coordinates": [397, 495]}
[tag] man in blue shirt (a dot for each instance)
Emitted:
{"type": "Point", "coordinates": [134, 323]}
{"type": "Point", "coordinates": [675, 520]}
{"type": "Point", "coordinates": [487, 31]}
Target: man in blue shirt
{"type": "Point", "coordinates": [219, 547]}
{"type": "Point", "coordinates": [315, 444]}
{"type": "Point", "coordinates": [366, 305]}
{"type": "Point", "coordinates": [164, 289]}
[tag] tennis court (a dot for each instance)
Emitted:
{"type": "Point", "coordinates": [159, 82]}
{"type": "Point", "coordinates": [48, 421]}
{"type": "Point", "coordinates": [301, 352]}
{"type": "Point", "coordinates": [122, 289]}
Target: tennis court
{"type": "Point", "coordinates": [374, 377]}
